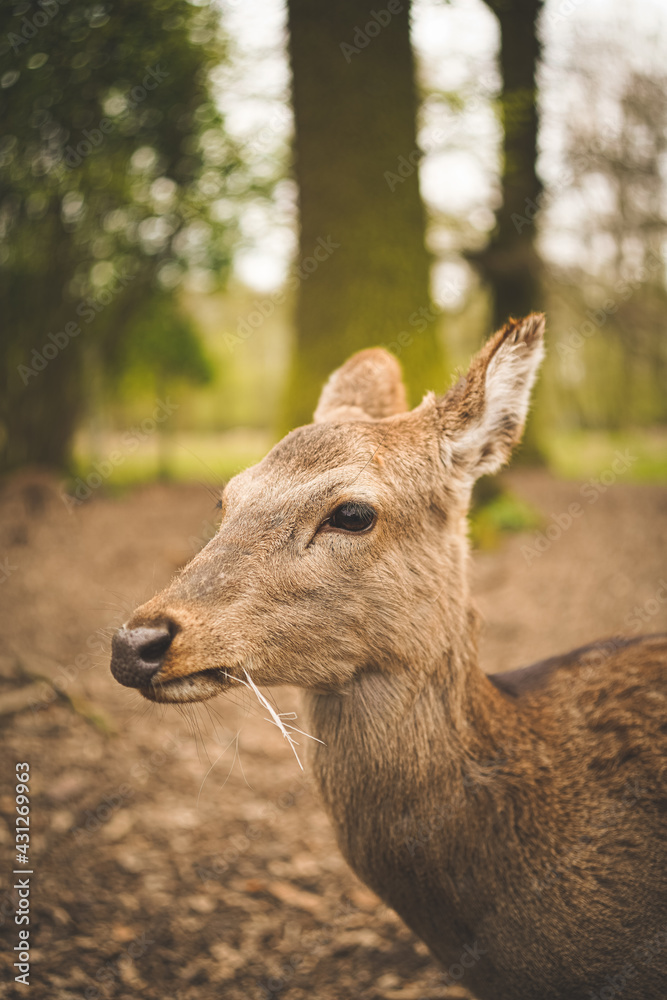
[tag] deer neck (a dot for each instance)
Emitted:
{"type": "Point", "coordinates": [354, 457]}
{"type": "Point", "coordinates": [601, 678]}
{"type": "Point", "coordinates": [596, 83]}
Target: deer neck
{"type": "Point", "coordinates": [389, 734]}
{"type": "Point", "coordinates": [407, 755]}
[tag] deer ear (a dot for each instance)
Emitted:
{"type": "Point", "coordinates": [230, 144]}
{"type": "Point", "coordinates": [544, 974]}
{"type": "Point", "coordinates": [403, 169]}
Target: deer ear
{"type": "Point", "coordinates": [369, 386]}
{"type": "Point", "coordinates": [482, 417]}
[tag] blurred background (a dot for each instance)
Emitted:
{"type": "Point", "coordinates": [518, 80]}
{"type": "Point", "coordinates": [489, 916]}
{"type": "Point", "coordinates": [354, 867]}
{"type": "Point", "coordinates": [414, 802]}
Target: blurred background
{"type": "Point", "coordinates": [205, 208]}
{"type": "Point", "coordinates": [217, 203]}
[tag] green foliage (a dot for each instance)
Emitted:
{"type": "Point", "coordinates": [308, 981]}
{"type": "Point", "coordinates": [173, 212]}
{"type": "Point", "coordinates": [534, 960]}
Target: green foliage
{"type": "Point", "coordinates": [582, 454]}
{"type": "Point", "coordinates": [162, 345]}
{"type": "Point", "coordinates": [497, 511]}
{"type": "Point", "coordinates": [210, 460]}
{"type": "Point", "coordinates": [116, 181]}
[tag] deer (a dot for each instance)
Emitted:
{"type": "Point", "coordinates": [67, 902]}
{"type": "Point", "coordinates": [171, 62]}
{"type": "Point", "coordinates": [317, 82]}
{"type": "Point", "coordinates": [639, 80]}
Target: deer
{"type": "Point", "coordinates": [515, 821]}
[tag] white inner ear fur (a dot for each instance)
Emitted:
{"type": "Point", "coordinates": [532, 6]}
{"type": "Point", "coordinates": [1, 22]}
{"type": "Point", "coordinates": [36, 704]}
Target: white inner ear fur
{"type": "Point", "coordinates": [486, 442]}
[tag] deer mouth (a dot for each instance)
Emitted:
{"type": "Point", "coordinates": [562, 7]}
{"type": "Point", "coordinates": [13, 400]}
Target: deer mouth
{"type": "Point", "coordinates": [199, 686]}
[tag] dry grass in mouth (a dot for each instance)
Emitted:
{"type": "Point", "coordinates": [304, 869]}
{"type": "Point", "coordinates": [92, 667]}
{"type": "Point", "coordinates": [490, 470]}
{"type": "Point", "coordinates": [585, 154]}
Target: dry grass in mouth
{"type": "Point", "coordinates": [276, 718]}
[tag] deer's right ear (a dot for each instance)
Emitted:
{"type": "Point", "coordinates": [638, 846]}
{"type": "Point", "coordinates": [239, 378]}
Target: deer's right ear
{"type": "Point", "coordinates": [369, 386]}
{"type": "Point", "coordinates": [482, 417]}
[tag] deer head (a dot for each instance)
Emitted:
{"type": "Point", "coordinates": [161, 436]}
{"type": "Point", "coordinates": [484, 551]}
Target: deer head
{"type": "Point", "coordinates": [344, 550]}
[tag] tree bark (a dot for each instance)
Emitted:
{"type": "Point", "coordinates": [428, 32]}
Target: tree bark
{"type": "Point", "coordinates": [41, 398]}
{"type": "Point", "coordinates": [356, 165]}
{"type": "Point", "coordinates": [510, 264]}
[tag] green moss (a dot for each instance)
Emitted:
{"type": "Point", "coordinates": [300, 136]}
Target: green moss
{"type": "Point", "coordinates": [505, 512]}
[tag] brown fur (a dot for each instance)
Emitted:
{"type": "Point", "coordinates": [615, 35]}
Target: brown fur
{"type": "Point", "coordinates": [516, 822]}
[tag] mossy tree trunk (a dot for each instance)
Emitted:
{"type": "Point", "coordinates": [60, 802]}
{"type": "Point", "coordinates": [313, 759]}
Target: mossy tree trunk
{"type": "Point", "coordinates": [356, 165]}
{"type": "Point", "coordinates": [41, 392]}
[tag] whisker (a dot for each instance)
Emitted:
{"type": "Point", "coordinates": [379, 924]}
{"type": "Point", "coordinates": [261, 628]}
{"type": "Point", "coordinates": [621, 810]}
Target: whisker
{"type": "Point", "coordinates": [240, 764]}
{"type": "Point", "coordinates": [212, 721]}
{"type": "Point", "coordinates": [213, 485]}
{"type": "Point", "coordinates": [221, 754]}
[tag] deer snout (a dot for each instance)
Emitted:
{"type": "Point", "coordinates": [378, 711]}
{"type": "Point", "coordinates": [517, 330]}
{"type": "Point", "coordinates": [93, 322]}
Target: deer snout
{"type": "Point", "coordinates": [137, 653]}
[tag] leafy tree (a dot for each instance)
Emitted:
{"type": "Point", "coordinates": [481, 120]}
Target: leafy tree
{"type": "Point", "coordinates": [116, 179]}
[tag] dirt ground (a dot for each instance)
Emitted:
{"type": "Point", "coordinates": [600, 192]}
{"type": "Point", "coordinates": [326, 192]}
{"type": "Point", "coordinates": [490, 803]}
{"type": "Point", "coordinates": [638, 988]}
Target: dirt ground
{"type": "Point", "coordinates": [183, 855]}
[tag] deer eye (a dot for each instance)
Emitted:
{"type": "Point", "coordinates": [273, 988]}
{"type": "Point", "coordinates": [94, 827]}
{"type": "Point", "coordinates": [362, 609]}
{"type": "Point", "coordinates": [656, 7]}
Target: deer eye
{"type": "Point", "coordinates": [355, 517]}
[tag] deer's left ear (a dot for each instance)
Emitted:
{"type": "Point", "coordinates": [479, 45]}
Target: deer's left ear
{"type": "Point", "coordinates": [482, 417]}
{"type": "Point", "coordinates": [369, 386]}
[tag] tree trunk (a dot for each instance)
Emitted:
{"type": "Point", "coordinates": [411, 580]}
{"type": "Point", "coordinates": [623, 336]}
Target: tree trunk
{"type": "Point", "coordinates": [510, 263]}
{"type": "Point", "coordinates": [356, 166]}
{"type": "Point", "coordinates": [41, 398]}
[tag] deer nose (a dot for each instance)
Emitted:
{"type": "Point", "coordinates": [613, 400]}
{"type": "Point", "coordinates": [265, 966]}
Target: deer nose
{"type": "Point", "coordinates": [137, 653]}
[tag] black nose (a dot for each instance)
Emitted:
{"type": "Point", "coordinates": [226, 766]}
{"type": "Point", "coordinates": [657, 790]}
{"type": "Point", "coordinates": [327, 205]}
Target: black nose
{"type": "Point", "coordinates": [136, 653]}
